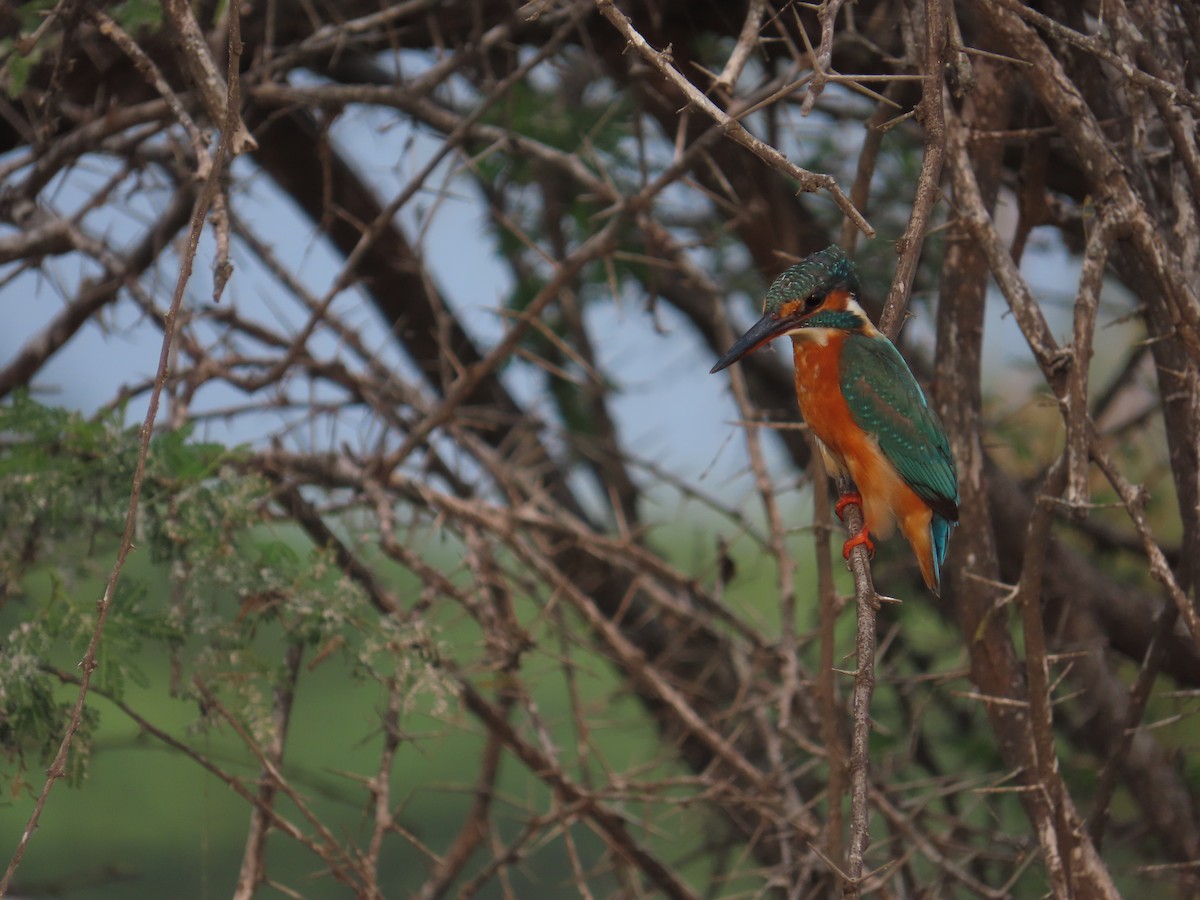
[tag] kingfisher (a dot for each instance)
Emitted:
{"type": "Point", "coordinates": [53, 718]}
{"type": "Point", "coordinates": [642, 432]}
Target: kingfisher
{"type": "Point", "coordinates": [870, 417]}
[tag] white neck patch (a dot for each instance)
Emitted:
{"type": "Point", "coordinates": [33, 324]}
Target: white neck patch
{"type": "Point", "coordinates": [819, 336]}
{"type": "Point", "coordinates": [822, 335]}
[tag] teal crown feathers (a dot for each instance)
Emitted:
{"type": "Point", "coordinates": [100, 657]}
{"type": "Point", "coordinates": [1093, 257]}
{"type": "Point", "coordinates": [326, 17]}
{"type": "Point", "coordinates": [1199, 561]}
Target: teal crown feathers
{"type": "Point", "coordinates": [816, 275]}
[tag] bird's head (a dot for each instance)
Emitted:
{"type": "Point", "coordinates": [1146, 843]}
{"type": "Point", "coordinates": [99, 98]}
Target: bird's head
{"type": "Point", "coordinates": [811, 299]}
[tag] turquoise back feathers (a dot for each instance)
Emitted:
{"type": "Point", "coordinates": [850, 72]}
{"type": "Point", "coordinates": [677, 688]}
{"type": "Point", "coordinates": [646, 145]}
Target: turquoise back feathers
{"type": "Point", "coordinates": [885, 400]}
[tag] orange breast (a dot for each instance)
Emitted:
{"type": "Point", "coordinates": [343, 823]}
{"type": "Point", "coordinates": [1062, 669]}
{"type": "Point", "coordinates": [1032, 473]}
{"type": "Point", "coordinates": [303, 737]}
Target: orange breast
{"type": "Point", "coordinates": [819, 394]}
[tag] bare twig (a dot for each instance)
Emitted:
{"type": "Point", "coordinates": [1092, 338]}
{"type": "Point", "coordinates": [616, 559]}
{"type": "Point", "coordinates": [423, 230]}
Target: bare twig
{"type": "Point", "coordinates": [610, 825]}
{"type": "Point", "coordinates": [95, 294]}
{"type": "Point", "coordinates": [220, 100]}
{"type": "Point", "coordinates": [1055, 831]}
{"type": "Point", "coordinates": [1106, 781]}
{"type": "Point", "coordinates": [866, 605]}
{"type": "Point", "coordinates": [110, 29]}
{"type": "Point", "coordinates": [1107, 178]}
{"type": "Point", "coordinates": [1094, 45]}
{"type": "Point", "coordinates": [807, 181]}
{"type": "Point", "coordinates": [253, 871]}
{"type": "Point", "coordinates": [1086, 304]}
{"type": "Point", "coordinates": [342, 865]}
{"type": "Point", "coordinates": [788, 651]}
{"type": "Point", "coordinates": [827, 691]}
{"type": "Point", "coordinates": [88, 664]}
{"type": "Point", "coordinates": [746, 42]}
{"type": "Point", "coordinates": [931, 115]}
{"type": "Point", "coordinates": [1054, 816]}
{"type": "Point", "coordinates": [864, 172]}
{"type": "Point", "coordinates": [827, 16]}
{"type": "Point", "coordinates": [235, 784]}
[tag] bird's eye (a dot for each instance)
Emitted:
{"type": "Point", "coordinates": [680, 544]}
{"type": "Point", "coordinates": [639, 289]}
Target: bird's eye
{"type": "Point", "coordinates": [811, 302]}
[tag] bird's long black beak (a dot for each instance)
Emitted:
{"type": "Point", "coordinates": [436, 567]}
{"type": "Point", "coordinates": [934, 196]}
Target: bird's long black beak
{"type": "Point", "coordinates": [761, 332]}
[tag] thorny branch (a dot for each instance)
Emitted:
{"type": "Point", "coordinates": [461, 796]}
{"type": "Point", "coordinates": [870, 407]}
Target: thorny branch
{"type": "Point", "coordinates": [88, 664]}
{"type": "Point", "coordinates": [676, 154]}
{"type": "Point", "coordinates": [808, 181]}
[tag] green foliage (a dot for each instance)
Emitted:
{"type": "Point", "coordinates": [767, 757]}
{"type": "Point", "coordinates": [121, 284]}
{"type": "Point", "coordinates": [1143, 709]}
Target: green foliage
{"type": "Point", "coordinates": [21, 53]}
{"type": "Point", "coordinates": [17, 67]}
{"type": "Point", "coordinates": [238, 590]}
{"type": "Point", "coordinates": [138, 15]}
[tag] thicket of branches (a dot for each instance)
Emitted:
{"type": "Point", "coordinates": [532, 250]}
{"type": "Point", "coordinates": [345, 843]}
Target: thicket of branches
{"type": "Point", "coordinates": [669, 156]}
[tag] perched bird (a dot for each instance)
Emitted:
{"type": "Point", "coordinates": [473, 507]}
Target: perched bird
{"type": "Point", "coordinates": [860, 399]}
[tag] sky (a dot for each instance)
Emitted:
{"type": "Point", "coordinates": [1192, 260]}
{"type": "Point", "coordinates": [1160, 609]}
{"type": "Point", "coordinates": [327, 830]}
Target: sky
{"type": "Point", "coordinates": [670, 410]}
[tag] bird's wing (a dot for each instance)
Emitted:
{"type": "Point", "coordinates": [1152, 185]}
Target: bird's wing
{"type": "Point", "coordinates": [886, 402]}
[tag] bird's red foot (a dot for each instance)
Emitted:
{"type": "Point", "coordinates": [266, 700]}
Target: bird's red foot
{"type": "Point", "coordinates": [845, 500]}
{"type": "Point", "coordinates": [864, 538]}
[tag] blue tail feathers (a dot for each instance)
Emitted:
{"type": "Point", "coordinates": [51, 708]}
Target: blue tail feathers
{"type": "Point", "coordinates": [940, 528]}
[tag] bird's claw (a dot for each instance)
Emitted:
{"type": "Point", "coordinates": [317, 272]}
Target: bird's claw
{"type": "Point", "coordinates": [863, 538]}
{"type": "Point", "coordinates": [844, 501]}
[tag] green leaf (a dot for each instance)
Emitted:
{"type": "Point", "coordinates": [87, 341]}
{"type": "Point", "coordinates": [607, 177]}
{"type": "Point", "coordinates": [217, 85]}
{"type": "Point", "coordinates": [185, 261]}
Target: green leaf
{"type": "Point", "coordinates": [136, 15]}
{"type": "Point", "coordinates": [19, 68]}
